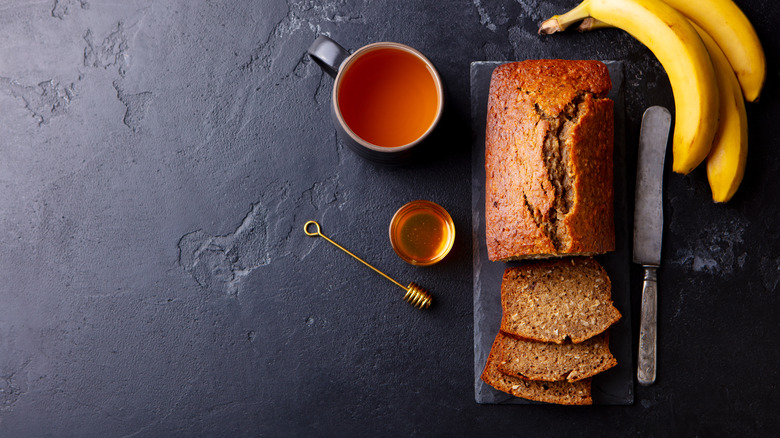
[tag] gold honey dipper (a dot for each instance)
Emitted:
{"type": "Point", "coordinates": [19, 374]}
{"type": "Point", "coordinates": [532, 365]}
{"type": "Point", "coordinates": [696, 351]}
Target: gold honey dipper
{"type": "Point", "coordinates": [415, 295]}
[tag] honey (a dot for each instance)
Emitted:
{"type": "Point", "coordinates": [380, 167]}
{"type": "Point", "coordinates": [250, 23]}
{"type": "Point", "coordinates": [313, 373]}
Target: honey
{"type": "Point", "coordinates": [422, 233]}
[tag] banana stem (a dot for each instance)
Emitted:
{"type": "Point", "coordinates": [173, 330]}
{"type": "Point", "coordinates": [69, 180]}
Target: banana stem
{"type": "Point", "coordinates": [559, 23]}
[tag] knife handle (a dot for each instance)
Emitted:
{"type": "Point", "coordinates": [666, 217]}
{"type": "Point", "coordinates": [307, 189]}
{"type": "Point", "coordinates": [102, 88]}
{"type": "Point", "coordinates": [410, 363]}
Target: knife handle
{"type": "Point", "coordinates": [645, 372]}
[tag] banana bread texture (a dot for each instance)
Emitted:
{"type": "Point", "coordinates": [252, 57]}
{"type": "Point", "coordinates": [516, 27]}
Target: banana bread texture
{"type": "Point", "coordinates": [557, 300]}
{"type": "Point", "coordinates": [533, 360]}
{"type": "Point", "coordinates": [548, 160]}
{"type": "Point", "coordinates": [560, 392]}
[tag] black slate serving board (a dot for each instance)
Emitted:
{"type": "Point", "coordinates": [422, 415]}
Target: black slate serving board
{"type": "Point", "coordinates": [615, 386]}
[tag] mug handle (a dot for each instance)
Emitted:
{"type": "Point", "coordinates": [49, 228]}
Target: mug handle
{"type": "Point", "coordinates": [328, 54]}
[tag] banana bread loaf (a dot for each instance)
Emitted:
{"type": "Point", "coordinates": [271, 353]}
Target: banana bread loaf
{"type": "Point", "coordinates": [548, 160]}
{"type": "Point", "coordinates": [550, 301]}
{"type": "Point", "coordinates": [533, 360]}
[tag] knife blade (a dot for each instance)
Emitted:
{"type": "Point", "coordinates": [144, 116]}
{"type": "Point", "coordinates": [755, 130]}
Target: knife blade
{"type": "Point", "coordinates": [648, 230]}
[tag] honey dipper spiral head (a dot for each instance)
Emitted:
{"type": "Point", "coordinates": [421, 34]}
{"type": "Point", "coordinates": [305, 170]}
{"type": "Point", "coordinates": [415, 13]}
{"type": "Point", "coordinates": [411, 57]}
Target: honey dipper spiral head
{"type": "Point", "coordinates": [417, 296]}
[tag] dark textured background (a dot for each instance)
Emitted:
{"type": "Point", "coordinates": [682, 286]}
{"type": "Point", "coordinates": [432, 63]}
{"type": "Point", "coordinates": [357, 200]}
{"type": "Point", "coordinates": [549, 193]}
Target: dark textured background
{"type": "Point", "coordinates": [158, 160]}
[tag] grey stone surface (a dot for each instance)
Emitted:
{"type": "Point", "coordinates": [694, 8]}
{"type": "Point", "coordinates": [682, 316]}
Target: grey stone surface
{"type": "Point", "coordinates": [158, 160]}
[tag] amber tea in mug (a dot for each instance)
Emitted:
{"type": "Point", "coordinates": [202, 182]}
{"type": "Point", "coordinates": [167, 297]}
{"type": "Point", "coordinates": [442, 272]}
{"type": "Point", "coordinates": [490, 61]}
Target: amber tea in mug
{"type": "Point", "coordinates": [388, 97]}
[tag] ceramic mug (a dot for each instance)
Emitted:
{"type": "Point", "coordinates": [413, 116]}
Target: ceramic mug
{"type": "Point", "coordinates": [387, 97]}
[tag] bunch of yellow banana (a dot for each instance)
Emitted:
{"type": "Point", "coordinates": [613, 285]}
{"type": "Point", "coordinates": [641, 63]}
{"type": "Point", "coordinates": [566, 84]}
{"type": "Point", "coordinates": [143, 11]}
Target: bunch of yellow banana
{"type": "Point", "coordinates": [714, 61]}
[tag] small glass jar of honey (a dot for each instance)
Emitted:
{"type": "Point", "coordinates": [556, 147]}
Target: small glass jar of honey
{"type": "Point", "coordinates": [422, 233]}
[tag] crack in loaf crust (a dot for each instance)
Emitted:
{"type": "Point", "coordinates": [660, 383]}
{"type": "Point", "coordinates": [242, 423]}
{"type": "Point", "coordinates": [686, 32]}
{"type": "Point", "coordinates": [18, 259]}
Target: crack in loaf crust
{"type": "Point", "coordinates": [548, 160]}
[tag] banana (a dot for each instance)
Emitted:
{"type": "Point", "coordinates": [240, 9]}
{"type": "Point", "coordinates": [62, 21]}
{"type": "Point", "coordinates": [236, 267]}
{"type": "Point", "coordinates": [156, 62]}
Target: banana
{"type": "Point", "coordinates": [732, 31]}
{"type": "Point", "coordinates": [726, 161]}
{"type": "Point", "coordinates": [670, 36]}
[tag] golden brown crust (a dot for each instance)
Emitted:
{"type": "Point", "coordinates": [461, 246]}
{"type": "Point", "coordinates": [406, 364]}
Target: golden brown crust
{"type": "Point", "coordinates": [548, 160]}
{"type": "Point", "coordinates": [591, 220]}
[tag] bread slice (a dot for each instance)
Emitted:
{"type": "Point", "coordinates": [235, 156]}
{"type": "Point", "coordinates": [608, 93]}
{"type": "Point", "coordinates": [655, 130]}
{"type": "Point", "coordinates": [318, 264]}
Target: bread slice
{"type": "Point", "coordinates": [561, 392]}
{"type": "Point", "coordinates": [550, 362]}
{"type": "Point", "coordinates": [554, 300]}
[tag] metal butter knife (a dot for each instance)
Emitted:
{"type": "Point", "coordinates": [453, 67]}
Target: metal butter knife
{"type": "Point", "coordinates": [648, 229]}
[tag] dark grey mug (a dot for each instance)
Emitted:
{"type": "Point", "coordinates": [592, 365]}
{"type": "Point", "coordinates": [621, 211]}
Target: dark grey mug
{"type": "Point", "coordinates": [387, 97]}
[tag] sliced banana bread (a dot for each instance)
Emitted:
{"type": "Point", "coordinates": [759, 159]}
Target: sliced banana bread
{"type": "Point", "coordinates": [562, 392]}
{"type": "Point", "coordinates": [554, 300]}
{"type": "Point", "coordinates": [533, 360]}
